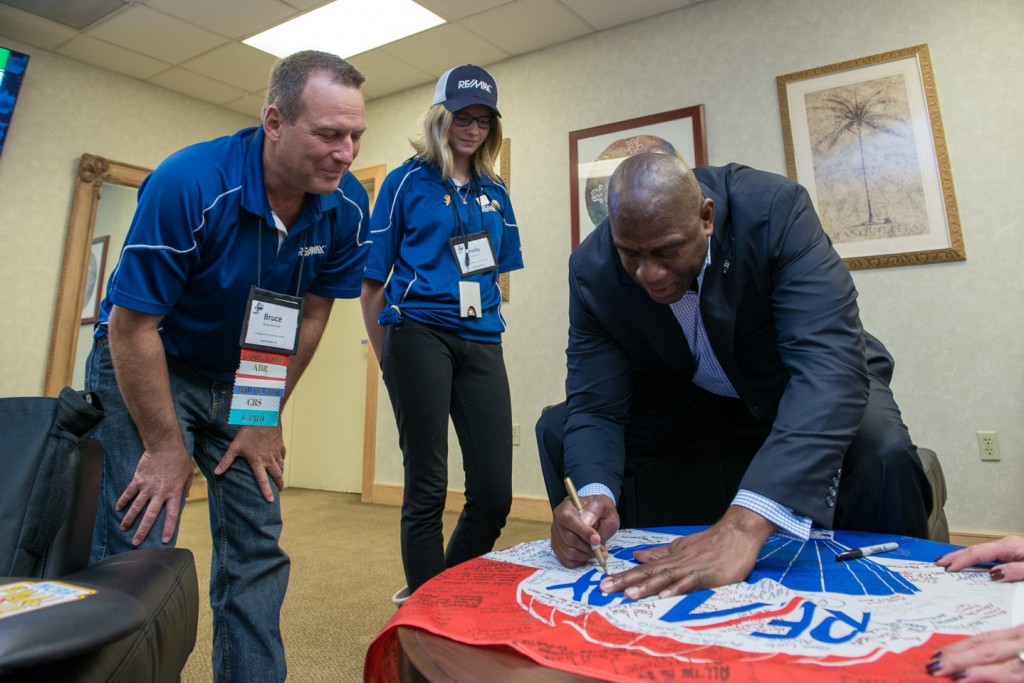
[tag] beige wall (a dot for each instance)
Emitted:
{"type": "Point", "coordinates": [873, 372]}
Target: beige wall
{"type": "Point", "coordinates": [952, 328]}
{"type": "Point", "coordinates": [65, 109]}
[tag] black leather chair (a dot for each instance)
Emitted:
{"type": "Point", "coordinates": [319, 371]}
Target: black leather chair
{"type": "Point", "coordinates": [140, 623]}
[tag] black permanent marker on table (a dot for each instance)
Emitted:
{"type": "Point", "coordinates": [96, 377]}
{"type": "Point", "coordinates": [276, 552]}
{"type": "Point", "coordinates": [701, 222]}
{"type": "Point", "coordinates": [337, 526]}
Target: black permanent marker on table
{"type": "Point", "coordinates": [865, 551]}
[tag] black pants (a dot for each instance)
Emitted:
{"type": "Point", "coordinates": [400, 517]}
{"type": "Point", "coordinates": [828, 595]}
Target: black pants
{"type": "Point", "coordinates": [431, 374]}
{"type": "Point", "coordinates": [882, 489]}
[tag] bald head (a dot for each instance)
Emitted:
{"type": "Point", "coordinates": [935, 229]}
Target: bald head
{"type": "Point", "coordinates": [651, 187]}
{"type": "Point", "coordinates": [660, 223]}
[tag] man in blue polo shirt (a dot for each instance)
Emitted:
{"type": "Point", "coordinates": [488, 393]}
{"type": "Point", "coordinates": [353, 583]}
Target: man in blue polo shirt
{"type": "Point", "coordinates": [270, 207]}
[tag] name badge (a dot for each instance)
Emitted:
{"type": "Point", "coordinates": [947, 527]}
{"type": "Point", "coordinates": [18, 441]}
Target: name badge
{"type": "Point", "coordinates": [272, 322]}
{"type": "Point", "coordinates": [270, 335]}
{"type": "Point", "coordinates": [259, 387]}
{"type": "Point", "coordinates": [473, 253]}
{"type": "Point", "coordinates": [469, 299]}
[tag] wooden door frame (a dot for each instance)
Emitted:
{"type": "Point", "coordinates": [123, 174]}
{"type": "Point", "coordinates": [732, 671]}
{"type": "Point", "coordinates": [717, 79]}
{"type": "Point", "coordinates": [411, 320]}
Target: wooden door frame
{"type": "Point", "coordinates": [371, 177]}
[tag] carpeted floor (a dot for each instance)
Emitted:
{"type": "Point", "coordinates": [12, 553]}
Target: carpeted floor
{"type": "Point", "coordinates": [345, 567]}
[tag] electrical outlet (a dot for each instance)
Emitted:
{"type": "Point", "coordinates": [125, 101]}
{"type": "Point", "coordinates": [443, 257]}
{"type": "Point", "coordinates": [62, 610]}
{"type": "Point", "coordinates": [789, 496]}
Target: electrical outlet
{"type": "Point", "coordinates": [988, 445]}
{"type": "Point", "coordinates": [515, 434]}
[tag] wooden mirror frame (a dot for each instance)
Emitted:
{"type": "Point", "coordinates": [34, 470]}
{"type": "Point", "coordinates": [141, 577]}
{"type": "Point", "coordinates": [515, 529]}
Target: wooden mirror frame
{"type": "Point", "coordinates": [93, 172]}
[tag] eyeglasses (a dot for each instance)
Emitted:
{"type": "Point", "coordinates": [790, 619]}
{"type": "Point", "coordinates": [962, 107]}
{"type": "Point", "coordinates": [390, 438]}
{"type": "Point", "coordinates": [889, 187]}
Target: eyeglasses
{"type": "Point", "coordinates": [463, 120]}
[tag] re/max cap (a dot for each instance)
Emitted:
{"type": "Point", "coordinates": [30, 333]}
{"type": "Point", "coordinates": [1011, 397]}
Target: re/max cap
{"type": "Point", "coordinates": [462, 86]}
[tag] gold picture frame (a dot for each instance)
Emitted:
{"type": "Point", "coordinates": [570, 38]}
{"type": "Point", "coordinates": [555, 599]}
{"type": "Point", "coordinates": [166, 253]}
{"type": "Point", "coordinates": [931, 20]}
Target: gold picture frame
{"type": "Point", "coordinates": [93, 173]}
{"type": "Point", "coordinates": [865, 138]}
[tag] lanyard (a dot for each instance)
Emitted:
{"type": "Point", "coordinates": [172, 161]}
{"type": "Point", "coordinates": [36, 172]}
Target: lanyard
{"type": "Point", "coordinates": [259, 258]}
{"type": "Point", "coordinates": [259, 241]}
{"type": "Point", "coordinates": [462, 232]}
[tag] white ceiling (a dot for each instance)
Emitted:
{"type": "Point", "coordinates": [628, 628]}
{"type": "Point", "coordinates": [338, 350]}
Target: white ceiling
{"type": "Point", "coordinates": [195, 47]}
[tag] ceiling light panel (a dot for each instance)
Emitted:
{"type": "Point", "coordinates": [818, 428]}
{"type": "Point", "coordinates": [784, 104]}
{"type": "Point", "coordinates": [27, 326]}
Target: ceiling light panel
{"type": "Point", "coordinates": [347, 27]}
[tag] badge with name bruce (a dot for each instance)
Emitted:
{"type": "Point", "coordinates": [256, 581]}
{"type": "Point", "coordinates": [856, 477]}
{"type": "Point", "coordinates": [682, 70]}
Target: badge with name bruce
{"type": "Point", "coordinates": [473, 253]}
{"type": "Point", "coordinates": [272, 322]}
{"type": "Point", "coordinates": [270, 334]}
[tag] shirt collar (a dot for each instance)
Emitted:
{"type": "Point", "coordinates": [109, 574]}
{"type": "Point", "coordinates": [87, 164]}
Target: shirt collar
{"type": "Point", "coordinates": [254, 193]}
{"type": "Point", "coordinates": [699, 282]}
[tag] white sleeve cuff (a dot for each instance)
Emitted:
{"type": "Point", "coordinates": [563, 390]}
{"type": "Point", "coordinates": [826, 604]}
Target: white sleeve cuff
{"type": "Point", "coordinates": [597, 490]}
{"type": "Point", "coordinates": [789, 523]}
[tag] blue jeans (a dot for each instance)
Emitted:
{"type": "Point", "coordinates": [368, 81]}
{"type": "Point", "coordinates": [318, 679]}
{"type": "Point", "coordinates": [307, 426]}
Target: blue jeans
{"type": "Point", "coordinates": [249, 571]}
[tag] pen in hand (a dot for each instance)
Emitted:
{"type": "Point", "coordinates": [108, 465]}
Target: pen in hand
{"type": "Point", "coordinates": [579, 509]}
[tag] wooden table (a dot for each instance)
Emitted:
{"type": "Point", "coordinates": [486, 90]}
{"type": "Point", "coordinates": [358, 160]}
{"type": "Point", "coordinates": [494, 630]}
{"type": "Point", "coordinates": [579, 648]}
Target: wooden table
{"type": "Point", "coordinates": [801, 617]}
{"type": "Point", "coordinates": [427, 657]}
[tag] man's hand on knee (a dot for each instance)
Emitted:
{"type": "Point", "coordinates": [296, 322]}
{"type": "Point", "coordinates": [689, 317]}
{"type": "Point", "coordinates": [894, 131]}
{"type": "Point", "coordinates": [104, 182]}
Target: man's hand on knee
{"type": "Point", "coordinates": [161, 478]}
{"type": "Point", "coordinates": [263, 448]}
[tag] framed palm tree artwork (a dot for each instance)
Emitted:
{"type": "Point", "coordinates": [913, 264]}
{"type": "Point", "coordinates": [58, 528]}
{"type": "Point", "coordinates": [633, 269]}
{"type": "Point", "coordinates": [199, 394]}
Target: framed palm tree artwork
{"type": "Point", "coordinates": [865, 138]}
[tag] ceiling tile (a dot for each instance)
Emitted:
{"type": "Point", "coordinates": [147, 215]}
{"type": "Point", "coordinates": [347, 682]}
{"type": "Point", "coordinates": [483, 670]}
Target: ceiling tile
{"type": "Point", "coordinates": [194, 85]}
{"type": "Point", "coordinates": [235, 63]}
{"type": "Point", "coordinates": [386, 74]}
{"type": "Point", "coordinates": [460, 9]}
{"type": "Point", "coordinates": [232, 18]}
{"type": "Point", "coordinates": [602, 14]}
{"type": "Point", "coordinates": [112, 57]}
{"type": "Point", "coordinates": [526, 25]}
{"type": "Point", "coordinates": [28, 28]}
{"type": "Point", "coordinates": [150, 32]}
{"type": "Point", "coordinates": [200, 37]}
{"type": "Point", "coordinates": [438, 49]}
{"type": "Point", "coordinates": [76, 15]}
{"type": "Point", "coordinates": [251, 104]}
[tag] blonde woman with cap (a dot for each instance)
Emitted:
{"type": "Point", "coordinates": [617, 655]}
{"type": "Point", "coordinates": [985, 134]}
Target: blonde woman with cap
{"type": "Point", "coordinates": [443, 229]}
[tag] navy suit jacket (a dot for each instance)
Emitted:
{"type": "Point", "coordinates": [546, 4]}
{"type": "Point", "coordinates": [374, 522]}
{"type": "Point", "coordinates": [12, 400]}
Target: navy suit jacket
{"type": "Point", "coordinates": [780, 311]}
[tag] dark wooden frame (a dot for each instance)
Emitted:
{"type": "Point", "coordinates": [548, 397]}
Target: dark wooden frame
{"type": "Point", "coordinates": [692, 116]}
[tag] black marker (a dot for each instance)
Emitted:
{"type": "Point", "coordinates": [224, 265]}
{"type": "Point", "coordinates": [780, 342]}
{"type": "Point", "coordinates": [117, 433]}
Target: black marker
{"type": "Point", "coordinates": [865, 551]}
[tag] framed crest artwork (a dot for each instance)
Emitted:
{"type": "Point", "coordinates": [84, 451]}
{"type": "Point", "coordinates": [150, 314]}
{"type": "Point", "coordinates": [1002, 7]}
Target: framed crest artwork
{"type": "Point", "coordinates": [594, 153]}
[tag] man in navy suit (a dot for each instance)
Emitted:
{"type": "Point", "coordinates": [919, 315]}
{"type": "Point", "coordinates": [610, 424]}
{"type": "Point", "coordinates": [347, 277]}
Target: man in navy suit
{"type": "Point", "coordinates": [711, 301]}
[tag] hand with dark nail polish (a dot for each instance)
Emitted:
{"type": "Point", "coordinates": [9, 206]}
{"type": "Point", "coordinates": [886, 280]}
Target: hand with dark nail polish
{"type": "Point", "coordinates": [996, 656]}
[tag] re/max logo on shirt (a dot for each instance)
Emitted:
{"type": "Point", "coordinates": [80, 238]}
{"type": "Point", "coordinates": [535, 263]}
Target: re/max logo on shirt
{"type": "Point", "coordinates": [488, 204]}
{"type": "Point", "coordinates": [316, 249]}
